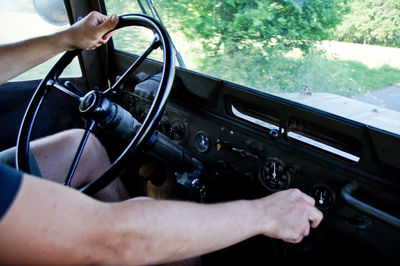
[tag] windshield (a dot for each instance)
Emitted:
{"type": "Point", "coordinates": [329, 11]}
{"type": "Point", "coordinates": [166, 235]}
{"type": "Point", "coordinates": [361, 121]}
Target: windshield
{"type": "Point", "coordinates": [339, 56]}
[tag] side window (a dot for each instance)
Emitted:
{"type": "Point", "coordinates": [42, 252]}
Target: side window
{"type": "Point", "coordinates": [24, 19]}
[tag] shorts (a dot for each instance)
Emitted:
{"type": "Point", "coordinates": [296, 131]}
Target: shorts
{"type": "Point", "coordinates": [8, 157]}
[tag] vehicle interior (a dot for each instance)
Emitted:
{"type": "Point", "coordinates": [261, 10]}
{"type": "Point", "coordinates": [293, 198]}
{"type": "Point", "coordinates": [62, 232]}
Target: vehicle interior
{"type": "Point", "coordinates": [175, 133]}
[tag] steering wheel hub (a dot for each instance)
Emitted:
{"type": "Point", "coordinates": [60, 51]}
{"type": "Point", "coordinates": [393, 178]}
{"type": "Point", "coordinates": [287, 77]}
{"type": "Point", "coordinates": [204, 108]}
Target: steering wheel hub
{"type": "Point", "coordinates": [88, 102]}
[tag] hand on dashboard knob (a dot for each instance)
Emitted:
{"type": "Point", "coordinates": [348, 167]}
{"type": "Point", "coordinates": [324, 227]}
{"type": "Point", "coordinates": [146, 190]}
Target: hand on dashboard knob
{"type": "Point", "coordinates": [288, 215]}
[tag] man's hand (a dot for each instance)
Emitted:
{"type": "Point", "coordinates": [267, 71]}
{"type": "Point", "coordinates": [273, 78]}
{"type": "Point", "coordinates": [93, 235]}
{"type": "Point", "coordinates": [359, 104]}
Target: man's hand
{"type": "Point", "coordinates": [288, 215]}
{"type": "Point", "coordinates": [90, 32]}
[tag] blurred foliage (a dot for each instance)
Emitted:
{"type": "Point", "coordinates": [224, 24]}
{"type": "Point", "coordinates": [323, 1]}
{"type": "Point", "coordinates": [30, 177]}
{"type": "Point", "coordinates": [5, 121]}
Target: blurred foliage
{"type": "Point", "coordinates": [249, 41]}
{"type": "Point", "coordinates": [273, 26]}
{"type": "Point", "coordinates": [372, 22]}
{"type": "Point", "coordinates": [288, 75]}
{"type": "Point", "coordinates": [123, 6]}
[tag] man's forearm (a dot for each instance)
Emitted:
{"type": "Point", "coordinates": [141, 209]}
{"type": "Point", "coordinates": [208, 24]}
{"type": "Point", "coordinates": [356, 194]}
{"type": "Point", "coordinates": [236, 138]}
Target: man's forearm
{"type": "Point", "coordinates": [162, 231]}
{"type": "Point", "coordinates": [89, 33]}
{"type": "Point", "coordinates": [16, 58]}
{"type": "Point", "coordinates": [62, 225]}
{"type": "Point", "coordinates": [150, 232]}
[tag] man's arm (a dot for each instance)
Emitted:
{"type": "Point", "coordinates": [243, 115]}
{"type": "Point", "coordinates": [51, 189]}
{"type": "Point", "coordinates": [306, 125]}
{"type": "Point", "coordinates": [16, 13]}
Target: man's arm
{"type": "Point", "coordinates": [88, 33]}
{"type": "Point", "coordinates": [49, 224]}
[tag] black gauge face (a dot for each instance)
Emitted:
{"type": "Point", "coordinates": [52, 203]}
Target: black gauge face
{"type": "Point", "coordinates": [274, 175]}
{"type": "Point", "coordinates": [201, 141]}
{"type": "Point", "coordinates": [324, 196]}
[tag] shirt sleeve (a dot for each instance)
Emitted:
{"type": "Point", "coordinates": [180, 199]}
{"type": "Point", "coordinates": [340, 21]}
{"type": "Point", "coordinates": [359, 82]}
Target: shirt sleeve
{"type": "Point", "coordinates": [10, 181]}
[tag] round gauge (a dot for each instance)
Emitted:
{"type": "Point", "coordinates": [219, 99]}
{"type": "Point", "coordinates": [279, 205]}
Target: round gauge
{"type": "Point", "coordinates": [274, 175]}
{"type": "Point", "coordinates": [201, 141]}
{"type": "Point", "coordinates": [323, 195]}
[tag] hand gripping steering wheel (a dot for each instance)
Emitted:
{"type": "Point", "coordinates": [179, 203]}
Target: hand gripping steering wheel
{"type": "Point", "coordinates": [98, 109]}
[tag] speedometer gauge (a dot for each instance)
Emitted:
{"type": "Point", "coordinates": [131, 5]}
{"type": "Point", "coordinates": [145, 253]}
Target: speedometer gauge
{"type": "Point", "coordinates": [274, 175]}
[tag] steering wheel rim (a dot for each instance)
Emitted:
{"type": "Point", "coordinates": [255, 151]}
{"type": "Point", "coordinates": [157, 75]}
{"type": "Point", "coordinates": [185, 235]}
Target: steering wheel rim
{"type": "Point", "coordinates": [148, 125]}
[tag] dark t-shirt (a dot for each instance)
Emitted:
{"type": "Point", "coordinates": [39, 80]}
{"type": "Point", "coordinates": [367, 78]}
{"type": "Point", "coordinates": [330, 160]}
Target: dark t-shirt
{"type": "Point", "coordinates": [10, 181]}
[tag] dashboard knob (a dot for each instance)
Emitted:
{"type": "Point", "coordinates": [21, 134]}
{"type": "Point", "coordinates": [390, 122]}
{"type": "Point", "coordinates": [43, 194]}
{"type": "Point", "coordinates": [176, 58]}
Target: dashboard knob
{"type": "Point", "coordinates": [164, 126]}
{"type": "Point", "coordinates": [177, 132]}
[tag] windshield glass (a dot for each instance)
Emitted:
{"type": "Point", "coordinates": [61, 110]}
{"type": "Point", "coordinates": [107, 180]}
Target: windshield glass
{"type": "Point", "coordinates": [339, 56]}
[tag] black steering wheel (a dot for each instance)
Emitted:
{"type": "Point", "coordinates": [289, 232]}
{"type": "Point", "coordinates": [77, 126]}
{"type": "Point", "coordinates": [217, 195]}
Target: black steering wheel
{"type": "Point", "coordinates": [98, 109]}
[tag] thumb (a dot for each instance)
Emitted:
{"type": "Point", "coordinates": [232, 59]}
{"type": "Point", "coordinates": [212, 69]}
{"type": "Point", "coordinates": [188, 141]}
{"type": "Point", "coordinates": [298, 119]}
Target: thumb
{"type": "Point", "coordinates": [108, 25]}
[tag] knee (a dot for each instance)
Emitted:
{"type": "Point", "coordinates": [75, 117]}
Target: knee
{"type": "Point", "coordinates": [75, 136]}
{"type": "Point", "coordinates": [93, 150]}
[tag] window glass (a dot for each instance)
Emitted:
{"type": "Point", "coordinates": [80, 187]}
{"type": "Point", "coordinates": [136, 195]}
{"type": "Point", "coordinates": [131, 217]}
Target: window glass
{"type": "Point", "coordinates": [136, 40]}
{"type": "Point", "coordinates": [24, 19]}
{"type": "Point", "coordinates": [339, 56]}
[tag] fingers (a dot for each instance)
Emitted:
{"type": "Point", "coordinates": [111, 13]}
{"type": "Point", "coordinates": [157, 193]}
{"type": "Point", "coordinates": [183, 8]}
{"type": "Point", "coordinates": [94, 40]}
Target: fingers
{"type": "Point", "coordinates": [105, 29]}
{"type": "Point", "coordinates": [107, 26]}
{"type": "Point", "coordinates": [309, 199]}
{"type": "Point", "coordinates": [303, 230]}
{"type": "Point", "coordinates": [96, 45]}
{"type": "Point", "coordinates": [92, 31]}
{"type": "Point", "coordinates": [107, 36]}
{"type": "Point", "coordinates": [307, 230]}
{"type": "Point", "coordinates": [98, 30]}
{"type": "Point", "coordinates": [315, 216]}
{"type": "Point", "coordinates": [316, 220]}
{"type": "Point", "coordinates": [299, 216]}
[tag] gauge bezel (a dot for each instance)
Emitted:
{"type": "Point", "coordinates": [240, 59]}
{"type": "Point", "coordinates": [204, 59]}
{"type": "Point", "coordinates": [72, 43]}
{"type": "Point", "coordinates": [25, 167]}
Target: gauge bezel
{"type": "Point", "coordinates": [262, 179]}
{"type": "Point", "coordinates": [198, 148]}
{"type": "Point", "coordinates": [327, 188]}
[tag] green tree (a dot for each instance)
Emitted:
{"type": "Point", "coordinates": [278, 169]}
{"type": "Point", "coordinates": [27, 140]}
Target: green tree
{"type": "Point", "coordinates": [372, 22]}
{"type": "Point", "coordinates": [271, 25]}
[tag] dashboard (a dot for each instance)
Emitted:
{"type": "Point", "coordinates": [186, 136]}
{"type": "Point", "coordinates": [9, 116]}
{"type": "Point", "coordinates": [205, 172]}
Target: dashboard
{"type": "Point", "coordinates": [245, 156]}
{"type": "Point", "coordinates": [233, 153]}
{"type": "Point", "coordinates": [228, 150]}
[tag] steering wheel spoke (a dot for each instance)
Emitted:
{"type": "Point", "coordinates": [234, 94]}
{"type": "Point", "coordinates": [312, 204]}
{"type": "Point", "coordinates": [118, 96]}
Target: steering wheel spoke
{"type": "Point", "coordinates": [153, 46]}
{"type": "Point", "coordinates": [64, 89]}
{"type": "Point", "coordinates": [89, 128]}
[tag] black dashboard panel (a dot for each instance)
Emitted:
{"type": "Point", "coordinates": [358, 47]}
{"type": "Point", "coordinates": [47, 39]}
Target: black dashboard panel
{"type": "Point", "coordinates": [253, 144]}
{"type": "Point", "coordinates": [236, 157]}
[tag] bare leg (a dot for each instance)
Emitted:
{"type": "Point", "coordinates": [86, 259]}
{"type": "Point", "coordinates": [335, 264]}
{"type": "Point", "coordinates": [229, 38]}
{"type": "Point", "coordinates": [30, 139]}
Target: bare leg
{"type": "Point", "coordinates": [54, 155]}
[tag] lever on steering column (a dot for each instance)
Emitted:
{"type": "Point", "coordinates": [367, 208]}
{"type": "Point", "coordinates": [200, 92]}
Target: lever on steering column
{"type": "Point", "coordinates": [117, 120]}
